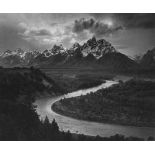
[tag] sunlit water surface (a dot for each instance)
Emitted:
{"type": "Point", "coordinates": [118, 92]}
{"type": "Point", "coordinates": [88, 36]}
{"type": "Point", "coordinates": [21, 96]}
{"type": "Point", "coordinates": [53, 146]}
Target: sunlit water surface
{"type": "Point", "coordinates": [87, 127]}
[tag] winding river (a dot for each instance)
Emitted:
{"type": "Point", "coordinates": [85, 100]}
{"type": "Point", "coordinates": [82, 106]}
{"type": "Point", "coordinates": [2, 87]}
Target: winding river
{"type": "Point", "coordinates": [87, 127]}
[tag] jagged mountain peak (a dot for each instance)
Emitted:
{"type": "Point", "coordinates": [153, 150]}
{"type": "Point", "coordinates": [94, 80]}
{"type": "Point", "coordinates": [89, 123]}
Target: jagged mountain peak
{"type": "Point", "coordinates": [149, 58]}
{"type": "Point", "coordinates": [34, 53]}
{"type": "Point", "coordinates": [75, 45]}
{"type": "Point", "coordinates": [6, 53]}
{"type": "Point", "coordinates": [97, 47]}
{"type": "Point", "coordinates": [92, 52]}
{"type": "Point", "coordinates": [47, 53]}
{"type": "Point", "coordinates": [18, 52]}
{"type": "Point", "coordinates": [92, 41]}
{"type": "Point", "coordinates": [56, 49]}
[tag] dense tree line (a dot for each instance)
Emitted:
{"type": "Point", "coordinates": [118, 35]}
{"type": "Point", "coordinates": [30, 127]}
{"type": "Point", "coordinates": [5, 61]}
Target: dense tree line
{"type": "Point", "coordinates": [130, 103]}
{"type": "Point", "coordinates": [75, 81]}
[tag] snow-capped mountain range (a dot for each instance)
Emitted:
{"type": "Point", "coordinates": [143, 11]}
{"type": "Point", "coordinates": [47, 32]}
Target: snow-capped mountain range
{"type": "Point", "coordinates": [95, 47]}
{"type": "Point", "coordinates": [92, 53]}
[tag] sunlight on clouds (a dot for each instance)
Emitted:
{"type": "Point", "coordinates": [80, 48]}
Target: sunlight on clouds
{"type": "Point", "coordinates": [108, 22]}
{"type": "Point", "coordinates": [44, 30]}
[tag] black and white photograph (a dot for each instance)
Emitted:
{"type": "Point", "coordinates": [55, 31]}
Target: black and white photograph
{"type": "Point", "coordinates": [77, 76]}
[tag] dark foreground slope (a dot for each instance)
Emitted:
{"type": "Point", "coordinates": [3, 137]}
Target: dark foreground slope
{"type": "Point", "coordinates": [18, 117]}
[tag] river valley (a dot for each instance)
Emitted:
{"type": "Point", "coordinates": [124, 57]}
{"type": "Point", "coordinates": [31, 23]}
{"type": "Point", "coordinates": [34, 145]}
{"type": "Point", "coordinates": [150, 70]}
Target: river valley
{"type": "Point", "coordinates": [87, 127]}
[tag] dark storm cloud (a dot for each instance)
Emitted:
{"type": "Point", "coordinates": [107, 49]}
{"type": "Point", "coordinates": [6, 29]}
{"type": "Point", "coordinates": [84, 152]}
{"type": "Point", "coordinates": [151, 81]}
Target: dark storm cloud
{"type": "Point", "coordinates": [137, 20]}
{"type": "Point", "coordinates": [83, 24]}
{"type": "Point", "coordinates": [131, 20]}
{"type": "Point", "coordinates": [41, 32]}
{"type": "Point", "coordinates": [30, 31]}
{"type": "Point", "coordinates": [96, 27]}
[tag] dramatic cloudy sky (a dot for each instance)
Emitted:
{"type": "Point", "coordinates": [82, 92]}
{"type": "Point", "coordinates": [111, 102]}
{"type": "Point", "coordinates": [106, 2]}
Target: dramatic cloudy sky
{"type": "Point", "coordinates": [131, 34]}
